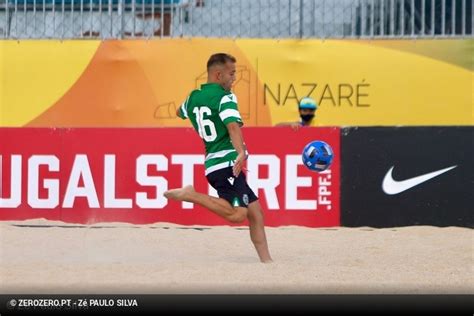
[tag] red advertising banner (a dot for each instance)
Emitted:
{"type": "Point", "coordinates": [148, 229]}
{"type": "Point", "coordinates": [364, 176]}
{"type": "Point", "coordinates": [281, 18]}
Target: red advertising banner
{"type": "Point", "coordinates": [91, 175]}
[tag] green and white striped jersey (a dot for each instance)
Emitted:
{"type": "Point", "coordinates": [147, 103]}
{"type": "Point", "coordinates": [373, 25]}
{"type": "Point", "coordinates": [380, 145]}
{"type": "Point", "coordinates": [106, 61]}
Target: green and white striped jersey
{"type": "Point", "coordinates": [210, 109]}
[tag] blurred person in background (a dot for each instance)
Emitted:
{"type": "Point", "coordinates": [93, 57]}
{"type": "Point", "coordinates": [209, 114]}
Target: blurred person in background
{"type": "Point", "coordinates": [306, 108]}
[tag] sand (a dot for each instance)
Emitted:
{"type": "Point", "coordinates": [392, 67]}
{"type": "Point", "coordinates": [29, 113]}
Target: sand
{"type": "Point", "coordinates": [39, 256]}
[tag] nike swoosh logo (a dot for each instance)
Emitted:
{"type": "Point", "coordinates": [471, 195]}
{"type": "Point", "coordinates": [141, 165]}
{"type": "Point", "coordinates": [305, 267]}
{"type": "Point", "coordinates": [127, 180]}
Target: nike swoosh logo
{"type": "Point", "coordinates": [391, 186]}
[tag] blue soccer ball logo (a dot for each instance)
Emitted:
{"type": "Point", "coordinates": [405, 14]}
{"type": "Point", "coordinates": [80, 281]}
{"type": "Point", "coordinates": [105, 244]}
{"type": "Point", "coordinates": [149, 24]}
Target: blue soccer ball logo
{"type": "Point", "coordinates": [317, 156]}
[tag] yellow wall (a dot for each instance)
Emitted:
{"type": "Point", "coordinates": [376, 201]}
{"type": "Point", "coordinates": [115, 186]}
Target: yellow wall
{"type": "Point", "coordinates": [140, 83]}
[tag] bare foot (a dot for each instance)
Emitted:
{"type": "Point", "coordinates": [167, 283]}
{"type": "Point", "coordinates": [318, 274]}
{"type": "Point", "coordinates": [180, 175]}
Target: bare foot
{"type": "Point", "coordinates": [267, 261]}
{"type": "Point", "coordinates": [179, 194]}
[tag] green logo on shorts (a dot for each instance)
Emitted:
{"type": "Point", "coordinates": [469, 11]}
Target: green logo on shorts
{"type": "Point", "coordinates": [235, 202]}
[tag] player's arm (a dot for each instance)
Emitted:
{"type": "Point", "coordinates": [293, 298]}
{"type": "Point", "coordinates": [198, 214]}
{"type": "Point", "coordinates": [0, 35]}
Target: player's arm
{"type": "Point", "coordinates": [230, 116]}
{"type": "Point", "coordinates": [181, 111]}
{"type": "Point", "coordinates": [238, 142]}
{"type": "Point", "coordinates": [236, 137]}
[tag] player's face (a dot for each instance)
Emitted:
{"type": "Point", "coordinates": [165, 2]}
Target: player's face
{"type": "Point", "coordinates": [227, 75]}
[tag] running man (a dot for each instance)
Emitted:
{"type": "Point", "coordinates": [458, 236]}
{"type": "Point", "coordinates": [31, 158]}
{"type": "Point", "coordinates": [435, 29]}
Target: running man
{"type": "Point", "coordinates": [213, 112]}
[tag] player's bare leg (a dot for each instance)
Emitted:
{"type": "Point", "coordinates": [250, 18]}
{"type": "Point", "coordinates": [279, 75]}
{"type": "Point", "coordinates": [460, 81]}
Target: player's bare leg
{"type": "Point", "coordinates": [217, 205]}
{"type": "Point", "coordinates": [257, 231]}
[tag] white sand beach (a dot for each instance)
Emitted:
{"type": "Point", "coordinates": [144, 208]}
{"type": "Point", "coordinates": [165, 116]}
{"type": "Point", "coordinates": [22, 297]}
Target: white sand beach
{"type": "Point", "coordinates": [39, 256]}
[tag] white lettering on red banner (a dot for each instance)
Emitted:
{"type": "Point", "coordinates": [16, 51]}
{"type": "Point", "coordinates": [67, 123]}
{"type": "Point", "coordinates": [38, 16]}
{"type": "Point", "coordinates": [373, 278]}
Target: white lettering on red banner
{"type": "Point", "coordinates": [90, 175]}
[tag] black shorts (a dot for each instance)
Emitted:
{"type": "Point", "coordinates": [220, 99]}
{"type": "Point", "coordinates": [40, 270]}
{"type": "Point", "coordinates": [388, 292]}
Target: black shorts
{"type": "Point", "coordinates": [235, 190]}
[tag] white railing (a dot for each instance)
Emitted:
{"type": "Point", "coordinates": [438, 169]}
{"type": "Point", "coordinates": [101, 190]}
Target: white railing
{"type": "Point", "coordinates": [64, 19]}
